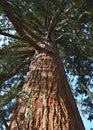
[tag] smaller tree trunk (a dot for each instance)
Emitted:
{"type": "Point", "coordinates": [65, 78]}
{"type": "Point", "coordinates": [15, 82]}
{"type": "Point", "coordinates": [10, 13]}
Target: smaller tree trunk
{"type": "Point", "coordinates": [46, 102]}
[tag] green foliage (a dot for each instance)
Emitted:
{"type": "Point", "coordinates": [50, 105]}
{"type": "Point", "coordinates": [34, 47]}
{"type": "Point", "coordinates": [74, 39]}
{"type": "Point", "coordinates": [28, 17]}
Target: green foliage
{"type": "Point", "coordinates": [11, 80]}
{"type": "Point", "coordinates": [5, 99]}
{"type": "Point", "coordinates": [71, 22]}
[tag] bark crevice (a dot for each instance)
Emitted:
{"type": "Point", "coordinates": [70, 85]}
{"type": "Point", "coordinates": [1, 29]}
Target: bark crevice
{"type": "Point", "coordinates": [45, 101]}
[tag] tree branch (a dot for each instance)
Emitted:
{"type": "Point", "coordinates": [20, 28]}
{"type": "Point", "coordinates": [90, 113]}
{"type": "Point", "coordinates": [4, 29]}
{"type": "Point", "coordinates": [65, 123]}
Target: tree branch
{"type": "Point", "coordinates": [9, 35]}
{"type": "Point", "coordinates": [20, 53]}
{"type": "Point", "coordinates": [28, 30]}
{"type": "Point", "coordinates": [18, 46]}
{"type": "Point", "coordinates": [10, 14]}
{"type": "Point", "coordinates": [26, 52]}
{"type": "Point", "coordinates": [15, 21]}
{"type": "Point", "coordinates": [5, 123]}
{"type": "Point", "coordinates": [67, 34]}
{"type": "Point", "coordinates": [87, 89]}
{"type": "Point", "coordinates": [34, 27]}
{"type": "Point", "coordinates": [21, 66]}
{"type": "Point", "coordinates": [53, 22]}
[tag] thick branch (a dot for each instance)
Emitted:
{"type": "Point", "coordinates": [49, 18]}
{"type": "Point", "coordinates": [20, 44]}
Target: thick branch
{"type": "Point", "coordinates": [53, 22]}
{"type": "Point", "coordinates": [31, 52]}
{"type": "Point", "coordinates": [11, 15]}
{"type": "Point", "coordinates": [31, 42]}
{"type": "Point", "coordinates": [26, 52]}
{"type": "Point", "coordinates": [25, 38]}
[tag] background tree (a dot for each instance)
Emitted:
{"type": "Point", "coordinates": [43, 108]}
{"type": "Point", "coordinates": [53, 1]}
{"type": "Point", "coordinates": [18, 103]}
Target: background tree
{"type": "Point", "coordinates": [28, 26]}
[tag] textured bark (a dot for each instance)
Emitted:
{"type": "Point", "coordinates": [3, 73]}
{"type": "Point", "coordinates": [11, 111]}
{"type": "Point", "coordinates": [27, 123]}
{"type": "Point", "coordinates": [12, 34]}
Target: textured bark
{"type": "Point", "coordinates": [46, 102]}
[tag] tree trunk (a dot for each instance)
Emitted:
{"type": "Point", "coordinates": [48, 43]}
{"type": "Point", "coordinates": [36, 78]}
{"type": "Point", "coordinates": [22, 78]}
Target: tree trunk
{"type": "Point", "coordinates": [46, 101]}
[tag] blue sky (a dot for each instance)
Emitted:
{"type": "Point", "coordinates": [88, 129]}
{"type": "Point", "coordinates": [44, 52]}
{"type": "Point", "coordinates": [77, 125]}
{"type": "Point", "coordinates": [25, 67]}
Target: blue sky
{"type": "Point", "coordinates": [87, 123]}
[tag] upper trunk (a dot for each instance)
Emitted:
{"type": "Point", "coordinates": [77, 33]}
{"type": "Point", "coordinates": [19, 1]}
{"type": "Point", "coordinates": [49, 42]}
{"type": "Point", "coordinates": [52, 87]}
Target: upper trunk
{"type": "Point", "coordinates": [46, 101]}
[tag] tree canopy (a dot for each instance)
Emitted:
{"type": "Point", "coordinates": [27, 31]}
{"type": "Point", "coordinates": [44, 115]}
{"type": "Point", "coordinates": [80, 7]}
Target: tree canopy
{"type": "Point", "coordinates": [25, 26]}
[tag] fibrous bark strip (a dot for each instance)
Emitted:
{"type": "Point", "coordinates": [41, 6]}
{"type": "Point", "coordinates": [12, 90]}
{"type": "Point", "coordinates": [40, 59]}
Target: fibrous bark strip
{"type": "Point", "coordinates": [46, 102]}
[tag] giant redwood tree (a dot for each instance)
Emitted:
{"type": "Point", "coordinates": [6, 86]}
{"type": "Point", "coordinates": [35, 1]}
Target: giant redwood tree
{"type": "Point", "coordinates": [47, 39]}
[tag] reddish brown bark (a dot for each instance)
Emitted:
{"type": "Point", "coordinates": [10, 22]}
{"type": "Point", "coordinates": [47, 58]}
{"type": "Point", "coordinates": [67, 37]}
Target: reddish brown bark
{"type": "Point", "coordinates": [46, 102]}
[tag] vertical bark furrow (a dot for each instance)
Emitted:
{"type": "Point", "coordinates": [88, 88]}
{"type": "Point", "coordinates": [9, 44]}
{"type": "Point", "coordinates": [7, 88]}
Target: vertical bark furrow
{"type": "Point", "coordinates": [44, 104]}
